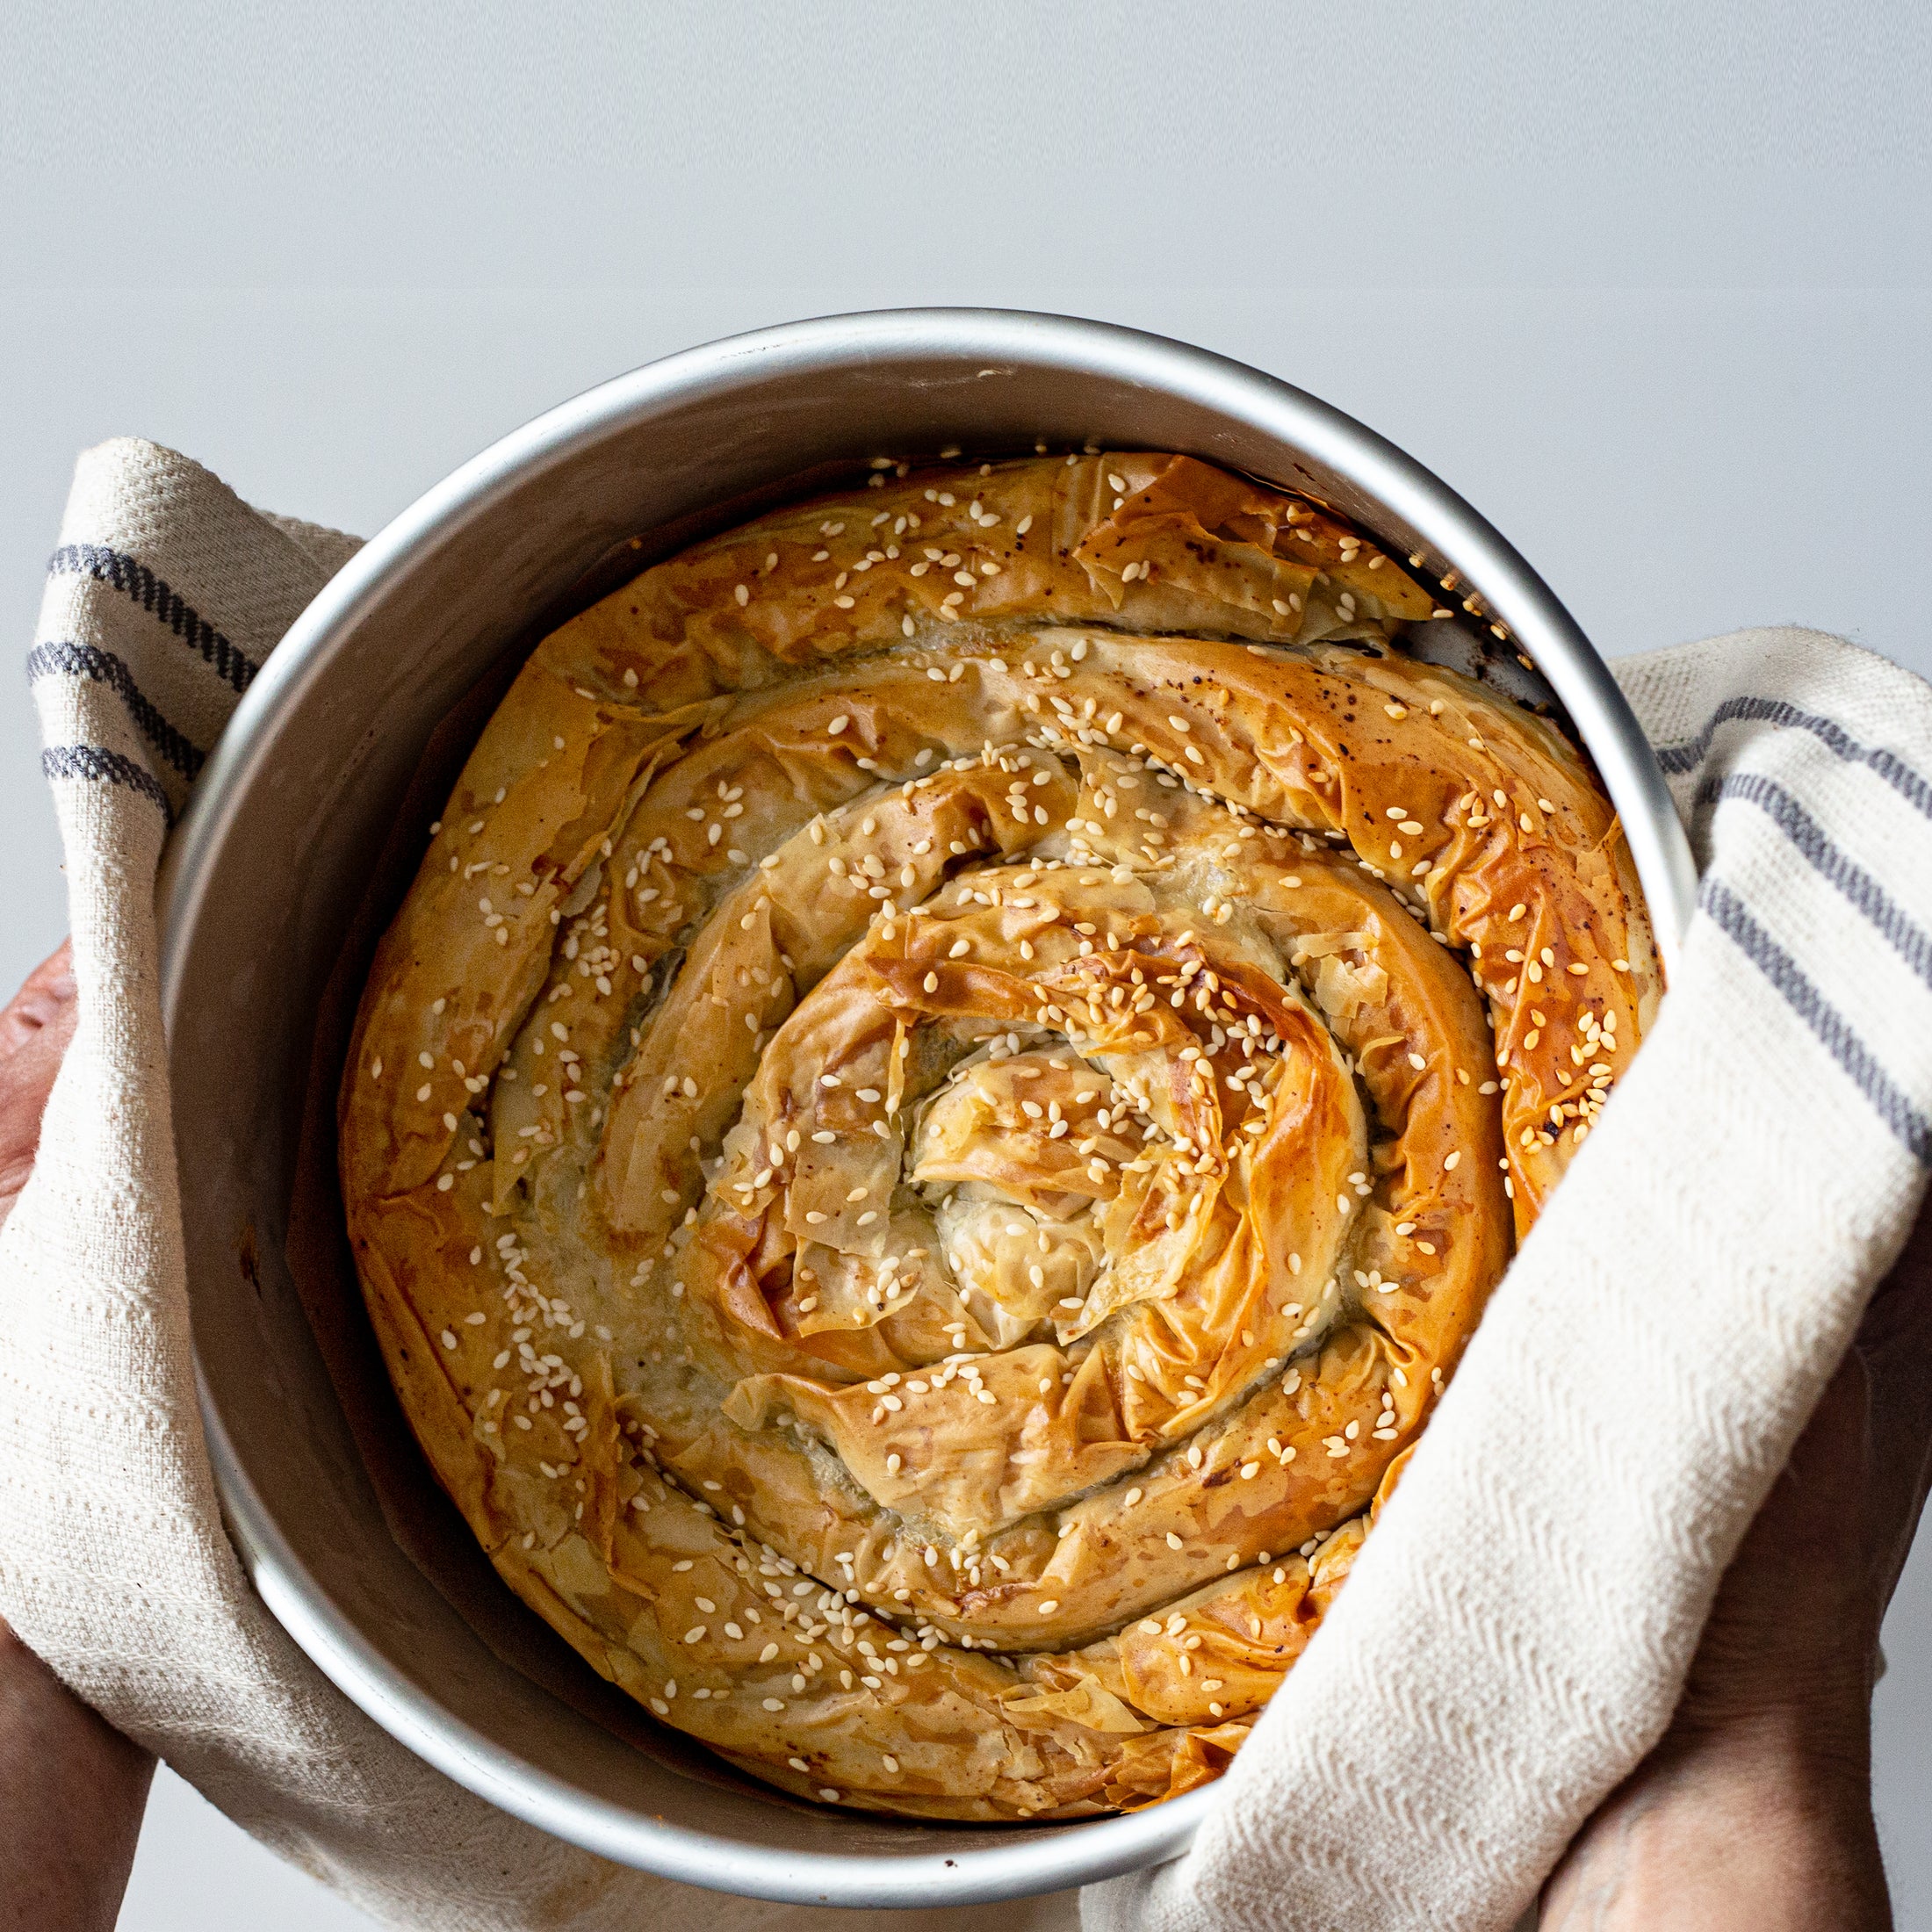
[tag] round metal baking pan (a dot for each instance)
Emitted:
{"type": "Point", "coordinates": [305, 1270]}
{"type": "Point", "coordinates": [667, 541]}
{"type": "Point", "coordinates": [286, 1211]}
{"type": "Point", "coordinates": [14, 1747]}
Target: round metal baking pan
{"type": "Point", "coordinates": [342, 1530]}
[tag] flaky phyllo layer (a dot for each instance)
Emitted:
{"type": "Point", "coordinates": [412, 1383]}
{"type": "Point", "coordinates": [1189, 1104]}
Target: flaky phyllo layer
{"type": "Point", "coordinates": [951, 1087]}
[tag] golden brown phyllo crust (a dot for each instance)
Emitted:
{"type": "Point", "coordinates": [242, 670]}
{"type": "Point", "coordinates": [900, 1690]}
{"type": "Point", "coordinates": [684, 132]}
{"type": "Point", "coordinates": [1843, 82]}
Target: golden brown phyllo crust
{"type": "Point", "coordinates": [952, 1084]}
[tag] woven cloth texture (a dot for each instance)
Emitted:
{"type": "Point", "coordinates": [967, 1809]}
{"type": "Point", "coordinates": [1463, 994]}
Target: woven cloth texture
{"type": "Point", "coordinates": [1514, 1636]}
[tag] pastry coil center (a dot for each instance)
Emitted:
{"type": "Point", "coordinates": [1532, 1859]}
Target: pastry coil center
{"type": "Point", "coordinates": [1067, 1157]}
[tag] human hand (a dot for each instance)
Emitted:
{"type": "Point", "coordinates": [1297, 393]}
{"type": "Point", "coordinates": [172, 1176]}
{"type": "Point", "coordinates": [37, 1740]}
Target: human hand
{"type": "Point", "coordinates": [72, 1788]}
{"type": "Point", "coordinates": [1755, 1809]}
{"type": "Point", "coordinates": [35, 1028]}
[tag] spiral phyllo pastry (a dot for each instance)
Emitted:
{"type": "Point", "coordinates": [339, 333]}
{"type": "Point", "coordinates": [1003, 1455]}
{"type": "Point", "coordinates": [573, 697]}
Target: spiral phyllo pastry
{"type": "Point", "coordinates": [949, 1090]}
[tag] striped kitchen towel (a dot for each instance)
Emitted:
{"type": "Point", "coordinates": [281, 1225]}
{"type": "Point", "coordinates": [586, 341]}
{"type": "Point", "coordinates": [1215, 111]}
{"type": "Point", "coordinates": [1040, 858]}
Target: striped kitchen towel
{"type": "Point", "coordinates": [1512, 1639]}
{"type": "Point", "coordinates": [165, 595]}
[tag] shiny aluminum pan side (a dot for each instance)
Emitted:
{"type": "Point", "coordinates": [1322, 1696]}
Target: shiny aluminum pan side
{"type": "Point", "coordinates": [271, 858]}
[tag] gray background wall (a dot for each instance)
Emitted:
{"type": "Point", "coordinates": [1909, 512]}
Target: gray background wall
{"type": "Point", "coordinates": [1652, 288]}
